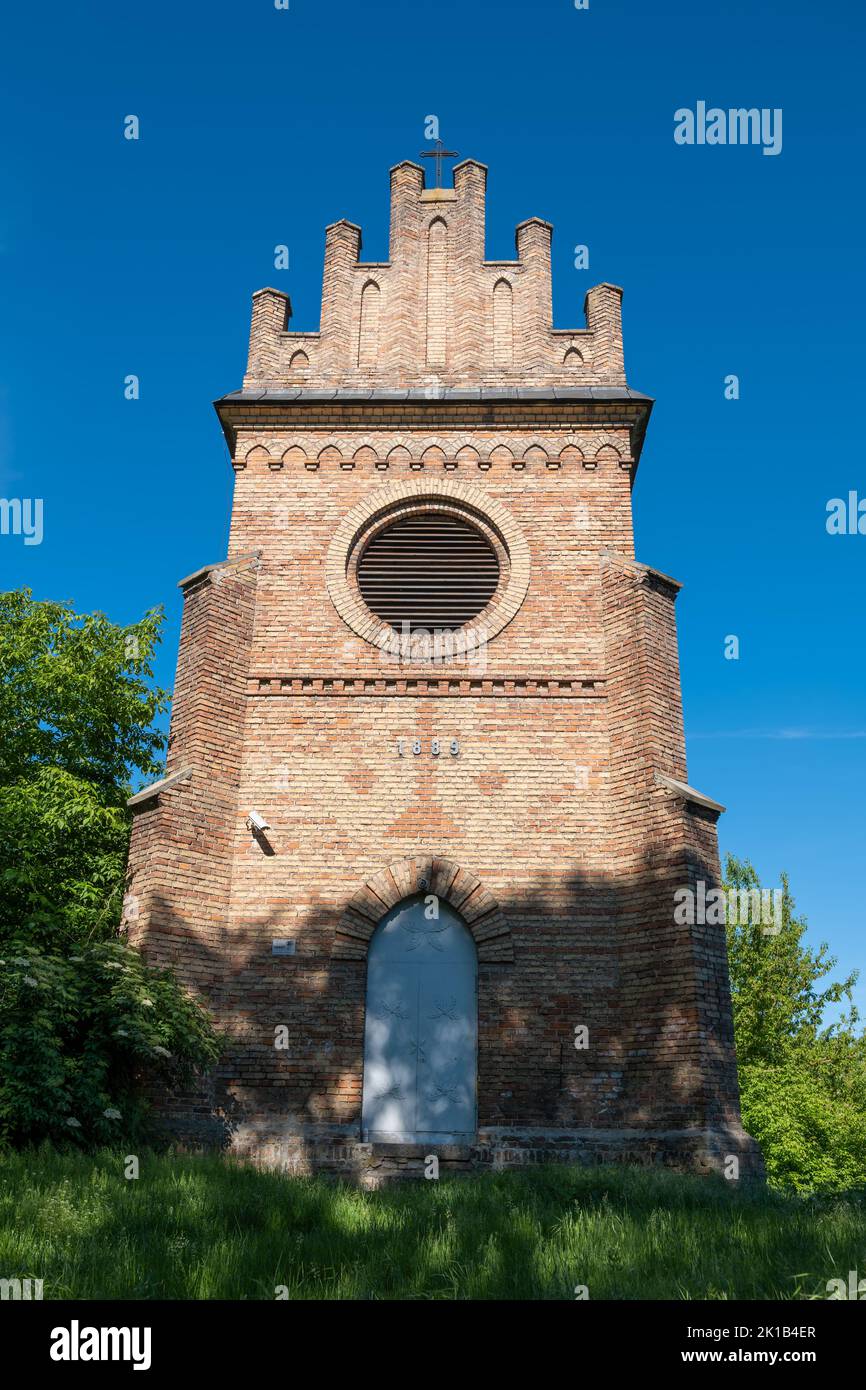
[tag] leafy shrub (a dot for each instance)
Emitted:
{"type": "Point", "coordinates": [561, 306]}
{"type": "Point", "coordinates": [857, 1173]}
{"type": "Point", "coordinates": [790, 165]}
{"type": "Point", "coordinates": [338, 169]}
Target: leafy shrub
{"type": "Point", "coordinates": [82, 1036]}
{"type": "Point", "coordinates": [812, 1139]}
{"type": "Point", "coordinates": [802, 1079]}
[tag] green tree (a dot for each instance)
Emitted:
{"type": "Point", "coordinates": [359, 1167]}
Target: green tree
{"type": "Point", "coordinates": [802, 1079]}
{"type": "Point", "coordinates": [83, 1020]}
{"type": "Point", "coordinates": [77, 707]}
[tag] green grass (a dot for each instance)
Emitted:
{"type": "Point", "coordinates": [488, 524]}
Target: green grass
{"type": "Point", "coordinates": [201, 1228]}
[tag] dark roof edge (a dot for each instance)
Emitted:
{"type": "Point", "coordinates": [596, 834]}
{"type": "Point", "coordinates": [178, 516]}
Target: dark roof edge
{"type": "Point", "coordinates": [461, 395]}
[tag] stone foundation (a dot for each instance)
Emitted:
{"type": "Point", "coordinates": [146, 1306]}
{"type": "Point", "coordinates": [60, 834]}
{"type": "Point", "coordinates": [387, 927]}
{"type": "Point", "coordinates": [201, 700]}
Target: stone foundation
{"type": "Point", "coordinates": [695, 1151]}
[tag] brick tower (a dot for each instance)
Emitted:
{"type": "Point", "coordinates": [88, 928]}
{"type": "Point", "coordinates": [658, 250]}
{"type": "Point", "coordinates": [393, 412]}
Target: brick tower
{"type": "Point", "coordinates": [426, 808]}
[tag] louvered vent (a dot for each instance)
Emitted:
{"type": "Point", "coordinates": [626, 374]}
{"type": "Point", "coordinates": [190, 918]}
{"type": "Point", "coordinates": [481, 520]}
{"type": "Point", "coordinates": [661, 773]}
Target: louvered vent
{"type": "Point", "coordinates": [429, 570]}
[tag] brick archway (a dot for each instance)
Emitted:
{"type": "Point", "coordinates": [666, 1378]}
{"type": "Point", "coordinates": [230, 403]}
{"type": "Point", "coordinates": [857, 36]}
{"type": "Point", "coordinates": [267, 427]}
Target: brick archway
{"type": "Point", "coordinates": [456, 886]}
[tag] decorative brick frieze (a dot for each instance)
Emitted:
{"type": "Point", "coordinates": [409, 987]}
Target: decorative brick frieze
{"type": "Point", "coordinates": [597, 449]}
{"type": "Point", "coordinates": [529, 688]}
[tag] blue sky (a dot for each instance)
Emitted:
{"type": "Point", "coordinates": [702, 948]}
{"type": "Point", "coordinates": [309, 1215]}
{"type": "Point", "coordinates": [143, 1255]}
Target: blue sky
{"type": "Point", "coordinates": [260, 126]}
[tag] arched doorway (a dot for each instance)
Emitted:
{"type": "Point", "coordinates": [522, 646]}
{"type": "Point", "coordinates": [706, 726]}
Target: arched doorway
{"type": "Point", "coordinates": [421, 1027]}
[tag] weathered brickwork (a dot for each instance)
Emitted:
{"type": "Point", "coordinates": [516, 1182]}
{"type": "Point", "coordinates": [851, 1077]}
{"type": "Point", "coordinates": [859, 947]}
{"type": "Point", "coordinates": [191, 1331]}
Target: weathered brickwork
{"type": "Point", "coordinates": [437, 380]}
{"type": "Point", "coordinates": [436, 313]}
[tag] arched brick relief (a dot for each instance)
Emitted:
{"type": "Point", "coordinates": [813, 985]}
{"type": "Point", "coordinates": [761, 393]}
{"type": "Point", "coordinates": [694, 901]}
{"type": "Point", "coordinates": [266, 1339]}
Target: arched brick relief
{"type": "Point", "coordinates": [467, 457]}
{"type": "Point", "coordinates": [295, 457]}
{"type": "Point", "coordinates": [445, 880]}
{"type": "Point", "coordinates": [433, 457]}
{"type": "Point", "coordinates": [606, 454]}
{"type": "Point", "coordinates": [405, 497]}
{"type": "Point", "coordinates": [258, 454]}
{"type": "Point", "coordinates": [399, 455]}
{"type": "Point", "coordinates": [368, 334]}
{"type": "Point", "coordinates": [299, 361]}
{"type": "Point", "coordinates": [502, 456]}
{"type": "Point", "coordinates": [330, 455]}
{"type": "Point", "coordinates": [503, 324]}
{"type": "Point", "coordinates": [437, 292]}
{"type": "Point", "coordinates": [573, 357]}
{"type": "Point", "coordinates": [535, 456]}
{"type": "Point", "coordinates": [365, 457]}
{"type": "Point", "coordinates": [571, 456]}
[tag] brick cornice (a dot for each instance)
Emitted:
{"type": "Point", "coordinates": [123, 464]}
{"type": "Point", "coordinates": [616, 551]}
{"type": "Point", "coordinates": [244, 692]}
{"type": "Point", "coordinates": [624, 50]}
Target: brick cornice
{"type": "Point", "coordinates": [155, 789]}
{"type": "Point", "coordinates": [689, 795]}
{"type": "Point", "coordinates": [206, 571]}
{"type": "Point", "coordinates": [643, 574]}
{"type": "Point", "coordinates": [508, 409]}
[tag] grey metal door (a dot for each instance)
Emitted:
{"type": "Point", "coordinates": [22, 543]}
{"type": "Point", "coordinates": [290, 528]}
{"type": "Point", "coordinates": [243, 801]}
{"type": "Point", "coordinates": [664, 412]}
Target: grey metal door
{"type": "Point", "coordinates": [420, 1039]}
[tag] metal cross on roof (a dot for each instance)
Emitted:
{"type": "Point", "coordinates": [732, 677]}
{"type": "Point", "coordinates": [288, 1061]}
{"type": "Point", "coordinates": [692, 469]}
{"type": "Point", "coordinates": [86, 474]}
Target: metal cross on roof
{"type": "Point", "coordinates": [439, 154]}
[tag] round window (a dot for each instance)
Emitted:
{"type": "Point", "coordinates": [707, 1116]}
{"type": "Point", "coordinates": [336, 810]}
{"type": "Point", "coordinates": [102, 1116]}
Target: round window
{"type": "Point", "coordinates": [448, 559]}
{"type": "Point", "coordinates": [430, 570]}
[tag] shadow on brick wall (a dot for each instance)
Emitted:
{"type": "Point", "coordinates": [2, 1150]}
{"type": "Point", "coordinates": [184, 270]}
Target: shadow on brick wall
{"type": "Point", "coordinates": [597, 953]}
